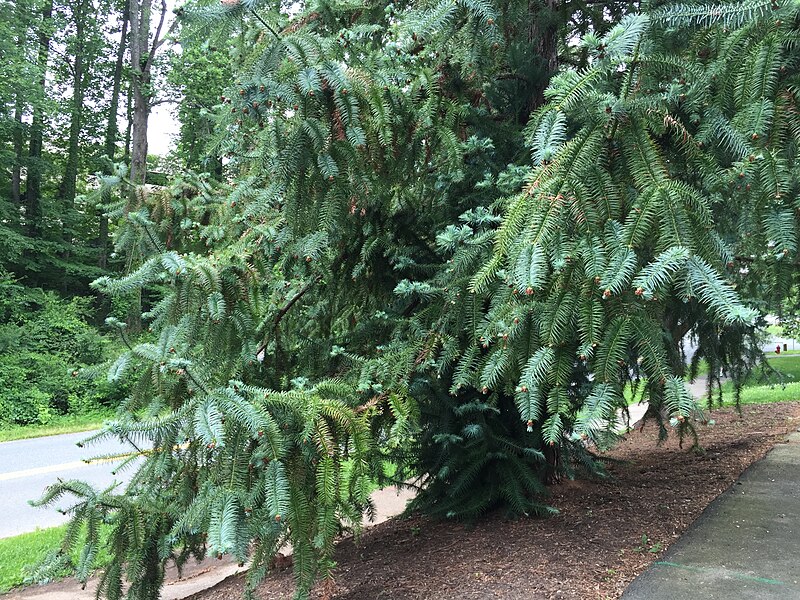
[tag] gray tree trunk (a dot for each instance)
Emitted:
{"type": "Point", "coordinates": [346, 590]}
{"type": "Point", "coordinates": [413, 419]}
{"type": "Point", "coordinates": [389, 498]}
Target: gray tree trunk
{"type": "Point", "coordinates": [112, 129]}
{"type": "Point", "coordinates": [68, 183]}
{"type": "Point", "coordinates": [33, 187]}
{"type": "Point", "coordinates": [142, 54]}
{"type": "Point", "coordinates": [19, 130]}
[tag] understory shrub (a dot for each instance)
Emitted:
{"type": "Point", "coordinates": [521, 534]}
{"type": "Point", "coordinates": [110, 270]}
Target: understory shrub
{"type": "Point", "coordinates": [44, 343]}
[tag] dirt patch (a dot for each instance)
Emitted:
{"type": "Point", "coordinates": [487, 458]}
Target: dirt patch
{"type": "Point", "coordinates": [606, 533]}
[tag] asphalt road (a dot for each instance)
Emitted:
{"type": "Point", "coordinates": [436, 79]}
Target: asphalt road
{"type": "Point", "coordinates": [27, 467]}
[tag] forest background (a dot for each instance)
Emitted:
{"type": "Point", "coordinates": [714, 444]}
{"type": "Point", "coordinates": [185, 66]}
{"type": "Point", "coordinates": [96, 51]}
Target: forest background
{"type": "Point", "coordinates": [67, 118]}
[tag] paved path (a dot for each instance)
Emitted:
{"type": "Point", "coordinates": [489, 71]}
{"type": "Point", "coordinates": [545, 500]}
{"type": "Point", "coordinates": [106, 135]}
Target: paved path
{"type": "Point", "coordinates": [744, 546]}
{"type": "Point", "coordinates": [27, 467]}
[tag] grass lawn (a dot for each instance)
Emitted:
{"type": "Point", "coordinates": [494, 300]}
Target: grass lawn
{"type": "Point", "coordinates": [60, 424]}
{"type": "Point", "coordinates": [787, 369]}
{"type": "Point", "coordinates": [764, 394]}
{"type": "Point", "coordinates": [21, 553]}
{"type": "Point", "coordinates": [764, 388]}
{"type": "Point", "coordinates": [783, 353]}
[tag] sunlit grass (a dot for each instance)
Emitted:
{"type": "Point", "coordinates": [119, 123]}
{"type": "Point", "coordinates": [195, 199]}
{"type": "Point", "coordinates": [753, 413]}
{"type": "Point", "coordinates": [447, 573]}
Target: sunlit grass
{"type": "Point", "coordinates": [764, 386]}
{"type": "Point", "coordinates": [59, 425]}
{"type": "Point", "coordinates": [20, 554]}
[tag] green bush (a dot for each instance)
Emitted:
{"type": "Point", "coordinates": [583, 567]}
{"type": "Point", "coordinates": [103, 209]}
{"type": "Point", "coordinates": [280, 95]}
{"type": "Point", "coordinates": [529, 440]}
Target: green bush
{"type": "Point", "coordinates": [44, 342]}
{"type": "Point", "coordinates": [25, 406]}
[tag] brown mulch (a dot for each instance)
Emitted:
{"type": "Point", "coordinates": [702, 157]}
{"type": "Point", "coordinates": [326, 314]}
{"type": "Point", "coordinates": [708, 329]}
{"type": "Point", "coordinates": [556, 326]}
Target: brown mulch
{"type": "Point", "coordinates": [591, 550]}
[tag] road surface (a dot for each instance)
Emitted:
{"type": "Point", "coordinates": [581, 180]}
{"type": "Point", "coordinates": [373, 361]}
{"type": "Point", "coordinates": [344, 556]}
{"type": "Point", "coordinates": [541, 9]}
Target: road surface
{"type": "Point", "coordinates": [27, 467]}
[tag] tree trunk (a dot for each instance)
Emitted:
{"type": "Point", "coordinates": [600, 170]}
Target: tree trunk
{"type": "Point", "coordinates": [552, 472]}
{"type": "Point", "coordinates": [16, 170]}
{"type": "Point", "coordinates": [543, 35]}
{"type": "Point", "coordinates": [68, 183]}
{"type": "Point", "coordinates": [129, 121]}
{"type": "Point", "coordinates": [33, 209]}
{"type": "Point", "coordinates": [112, 129]}
{"type": "Point", "coordinates": [142, 52]}
{"type": "Point", "coordinates": [19, 130]}
{"type": "Point", "coordinates": [140, 81]}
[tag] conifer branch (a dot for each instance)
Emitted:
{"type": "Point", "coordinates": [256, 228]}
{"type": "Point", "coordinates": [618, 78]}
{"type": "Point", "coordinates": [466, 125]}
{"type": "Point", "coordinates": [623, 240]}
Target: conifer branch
{"type": "Point", "coordinates": [265, 24]}
{"type": "Point", "coordinates": [300, 293]}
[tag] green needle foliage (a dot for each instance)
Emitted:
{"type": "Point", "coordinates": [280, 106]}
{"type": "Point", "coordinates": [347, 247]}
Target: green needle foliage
{"type": "Point", "coordinates": [637, 225]}
{"type": "Point", "coordinates": [412, 259]}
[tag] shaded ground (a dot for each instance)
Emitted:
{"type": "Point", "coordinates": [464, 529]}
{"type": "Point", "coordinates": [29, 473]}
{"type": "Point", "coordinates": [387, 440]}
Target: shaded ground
{"type": "Point", "coordinates": [606, 533]}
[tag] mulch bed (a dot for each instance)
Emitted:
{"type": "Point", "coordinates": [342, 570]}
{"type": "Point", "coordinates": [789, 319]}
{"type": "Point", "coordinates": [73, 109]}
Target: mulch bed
{"type": "Point", "coordinates": [591, 550]}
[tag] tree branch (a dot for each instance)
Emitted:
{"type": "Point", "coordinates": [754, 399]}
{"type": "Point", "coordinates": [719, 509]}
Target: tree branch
{"type": "Point", "coordinates": [302, 292]}
{"type": "Point", "coordinates": [264, 23]}
{"type": "Point", "coordinates": [287, 307]}
{"type": "Point", "coordinates": [169, 101]}
{"type": "Point", "coordinates": [157, 39]}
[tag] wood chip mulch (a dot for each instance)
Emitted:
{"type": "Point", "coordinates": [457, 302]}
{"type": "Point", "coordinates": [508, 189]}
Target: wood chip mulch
{"type": "Point", "coordinates": [605, 534]}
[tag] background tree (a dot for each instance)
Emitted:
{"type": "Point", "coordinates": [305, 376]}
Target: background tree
{"type": "Point", "coordinates": [143, 47]}
{"type": "Point", "coordinates": [79, 15]}
{"type": "Point", "coordinates": [33, 182]}
{"type": "Point", "coordinates": [200, 72]}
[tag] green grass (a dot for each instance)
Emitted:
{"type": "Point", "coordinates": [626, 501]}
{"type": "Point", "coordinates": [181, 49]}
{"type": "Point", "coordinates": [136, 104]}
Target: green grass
{"type": "Point", "coordinates": [20, 554]}
{"type": "Point", "coordinates": [764, 394]}
{"type": "Point", "coordinates": [758, 394]}
{"type": "Point", "coordinates": [630, 397]}
{"type": "Point", "coordinates": [60, 424]}
{"type": "Point", "coordinates": [782, 386]}
{"type": "Point", "coordinates": [787, 370]}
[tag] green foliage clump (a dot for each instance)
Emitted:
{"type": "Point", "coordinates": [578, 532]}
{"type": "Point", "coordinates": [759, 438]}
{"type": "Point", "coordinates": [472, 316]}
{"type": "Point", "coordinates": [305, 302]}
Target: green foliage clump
{"type": "Point", "coordinates": [476, 455]}
{"type": "Point", "coordinates": [44, 343]}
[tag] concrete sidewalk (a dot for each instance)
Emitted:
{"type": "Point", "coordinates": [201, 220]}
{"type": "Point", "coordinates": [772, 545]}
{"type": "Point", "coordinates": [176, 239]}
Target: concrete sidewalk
{"type": "Point", "coordinates": [745, 545]}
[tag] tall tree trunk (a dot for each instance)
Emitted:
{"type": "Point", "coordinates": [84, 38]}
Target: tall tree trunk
{"type": "Point", "coordinates": [19, 142]}
{"type": "Point", "coordinates": [33, 209]}
{"type": "Point", "coordinates": [112, 128]}
{"type": "Point", "coordinates": [142, 52]}
{"type": "Point", "coordinates": [129, 122]}
{"type": "Point", "coordinates": [543, 35]}
{"type": "Point", "coordinates": [19, 131]}
{"type": "Point", "coordinates": [68, 183]}
{"type": "Point", "coordinates": [140, 66]}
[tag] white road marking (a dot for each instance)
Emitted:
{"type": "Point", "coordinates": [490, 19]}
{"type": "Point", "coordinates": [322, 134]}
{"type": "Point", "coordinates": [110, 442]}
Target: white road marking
{"type": "Point", "coordinates": [43, 470]}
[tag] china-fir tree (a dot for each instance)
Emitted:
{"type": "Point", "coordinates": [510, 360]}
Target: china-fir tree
{"type": "Point", "coordinates": [425, 254]}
